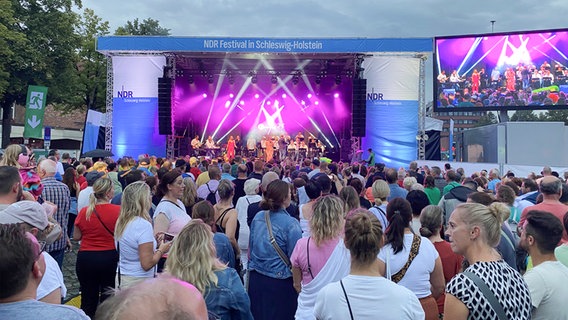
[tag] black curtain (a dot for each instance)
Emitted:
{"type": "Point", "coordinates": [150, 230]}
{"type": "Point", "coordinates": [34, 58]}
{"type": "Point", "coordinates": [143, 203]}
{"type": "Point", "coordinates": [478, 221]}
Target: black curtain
{"type": "Point", "coordinates": [433, 145]}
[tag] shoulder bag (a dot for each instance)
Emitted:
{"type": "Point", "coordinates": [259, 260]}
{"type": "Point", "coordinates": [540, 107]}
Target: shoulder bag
{"type": "Point", "coordinates": [413, 253]}
{"type": "Point", "coordinates": [488, 294]}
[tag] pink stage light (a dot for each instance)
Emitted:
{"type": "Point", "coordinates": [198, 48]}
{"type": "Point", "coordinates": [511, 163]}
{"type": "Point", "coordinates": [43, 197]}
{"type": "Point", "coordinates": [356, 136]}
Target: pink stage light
{"type": "Point", "coordinates": [242, 102]}
{"type": "Point", "coordinates": [303, 102]}
{"type": "Point", "coordinates": [336, 95]}
{"type": "Point", "coordinates": [256, 96]}
{"type": "Point", "coordinates": [231, 96]}
{"type": "Point", "coordinates": [317, 103]}
{"type": "Point", "coordinates": [227, 104]}
{"type": "Point", "coordinates": [309, 95]}
{"type": "Point", "coordinates": [204, 95]}
{"type": "Point", "coordinates": [268, 102]}
{"type": "Point", "coordinates": [283, 96]}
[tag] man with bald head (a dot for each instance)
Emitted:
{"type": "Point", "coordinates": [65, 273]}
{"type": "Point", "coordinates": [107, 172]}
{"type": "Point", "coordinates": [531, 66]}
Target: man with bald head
{"type": "Point", "coordinates": [551, 189]}
{"type": "Point", "coordinates": [57, 193]}
{"type": "Point", "coordinates": [156, 298]}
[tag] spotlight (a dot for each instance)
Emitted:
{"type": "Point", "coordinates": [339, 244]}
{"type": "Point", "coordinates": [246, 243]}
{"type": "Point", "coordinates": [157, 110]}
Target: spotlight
{"type": "Point", "coordinates": [190, 79]}
{"type": "Point", "coordinates": [253, 78]}
{"type": "Point", "coordinates": [317, 103]}
{"type": "Point", "coordinates": [274, 79]}
{"type": "Point", "coordinates": [338, 79]}
{"type": "Point", "coordinates": [284, 96]}
{"type": "Point", "coordinates": [268, 102]}
{"type": "Point", "coordinates": [318, 79]}
{"type": "Point", "coordinates": [309, 95]}
{"type": "Point", "coordinates": [231, 80]}
{"type": "Point", "coordinates": [210, 79]}
{"type": "Point", "coordinates": [204, 95]}
{"type": "Point", "coordinates": [242, 103]}
{"type": "Point", "coordinates": [231, 96]}
{"type": "Point", "coordinates": [295, 79]}
{"type": "Point", "coordinates": [227, 104]}
{"type": "Point", "coordinates": [336, 95]}
{"type": "Point", "coordinates": [256, 96]}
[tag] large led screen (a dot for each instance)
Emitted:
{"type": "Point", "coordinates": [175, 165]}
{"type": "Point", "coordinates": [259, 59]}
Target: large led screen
{"type": "Point", "coordinates": [506, 71]}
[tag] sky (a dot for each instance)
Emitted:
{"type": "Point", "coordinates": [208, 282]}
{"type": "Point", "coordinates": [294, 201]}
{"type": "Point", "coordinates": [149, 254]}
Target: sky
{"type": "Point", "coordinates": [336, 18]}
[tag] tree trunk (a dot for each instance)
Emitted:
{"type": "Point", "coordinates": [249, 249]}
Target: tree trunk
{"type": "Point", "coordinates": [6, 124]}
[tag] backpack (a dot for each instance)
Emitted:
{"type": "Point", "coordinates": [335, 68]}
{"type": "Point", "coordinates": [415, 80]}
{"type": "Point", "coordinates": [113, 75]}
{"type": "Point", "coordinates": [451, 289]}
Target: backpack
{"type": "Point", "coordinates": [211, 196]}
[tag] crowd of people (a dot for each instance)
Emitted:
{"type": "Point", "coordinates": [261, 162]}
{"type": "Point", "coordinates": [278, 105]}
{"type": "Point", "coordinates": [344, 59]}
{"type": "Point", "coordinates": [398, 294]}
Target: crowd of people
{"type": "Point", "coordinates": [193, 238]}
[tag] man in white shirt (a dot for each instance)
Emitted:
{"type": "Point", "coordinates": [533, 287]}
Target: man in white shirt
{"type": "Point", "coordinates": [548, 280]}
{"type": "Point", "coordinates": [55, 153]}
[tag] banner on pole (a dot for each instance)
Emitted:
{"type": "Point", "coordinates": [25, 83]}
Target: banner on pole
{"type": "Point", "coordinates": [35, 109]}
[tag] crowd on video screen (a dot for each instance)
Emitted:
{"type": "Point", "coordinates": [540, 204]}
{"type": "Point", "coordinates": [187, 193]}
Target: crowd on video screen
{"type": "Point", "coordinates": [504, 86]}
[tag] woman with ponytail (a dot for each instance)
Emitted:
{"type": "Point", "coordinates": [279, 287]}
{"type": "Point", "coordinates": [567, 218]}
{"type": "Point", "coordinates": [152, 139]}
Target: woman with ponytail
{"type": "Point", "coordinates": [365, 293]}
{"type": "Point", "coordinates": [411, 260]}
{"type": "Point", "coordinates": [271, 289]}
{"type": "Point", "coordinates": [474, 231]}
{"type": "Point", "coordinates": [431, 224]}
{"type": "Point", "coordinates": [97, 258]}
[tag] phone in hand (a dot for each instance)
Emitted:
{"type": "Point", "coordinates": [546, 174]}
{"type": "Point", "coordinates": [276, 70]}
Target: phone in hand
{"type": "Point", "coordinates": [168, 237]}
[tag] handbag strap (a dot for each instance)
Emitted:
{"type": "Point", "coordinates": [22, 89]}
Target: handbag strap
{"type": "Point", "coordinates": [347, 299]}
{"type": "Point", "coordinates": [413, 253]}
{"type": "Point", "coordinates": [104, 225]}
{"type": "Point", "coordinates": [283, 256]}
{"type": "Point", "coordinates": [488, 294]}
{"type": "Point", "coordinates": [118, 250]}
{"type": "Point", "coordinates": [308, 252]}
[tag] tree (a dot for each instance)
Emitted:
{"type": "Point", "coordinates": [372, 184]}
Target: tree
{"type": "Point", "coordinates": [43, 45]}
{"type": "Point", "coordinates": [524, 115]}
{"type": "Point", "coordinates": [148, 27]}
{"type": "Point", "coordinates": [90, 65]}
{"type": "Point", "coordinates": [486, 119]}
{"type": "Point", "coordinates": [556, 115]}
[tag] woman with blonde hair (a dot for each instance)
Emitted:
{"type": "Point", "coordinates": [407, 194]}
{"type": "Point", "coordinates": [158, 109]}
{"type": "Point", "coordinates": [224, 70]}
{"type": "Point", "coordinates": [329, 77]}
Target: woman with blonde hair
{"type": "Point", "coordinates": [381, 192]}
{"type": "Point", "coordinates": [474, 231]}
{"type": "Point", "coordinates": [21, 157]}
{"type": "Point", "coordinates": [321, 258]}
{"type": "Point", "coordinates": [134, 236]}
{"type": "Point", "coordinates": [193, 259]}
{"type": "Point", "coordinates": [189, 195]}
{"type": "Point", "coordinates": [365, 293]}
{"type": "Point", "coordinates": [350, 199]}
{"type": "Point", "coordinates": [97, 257]}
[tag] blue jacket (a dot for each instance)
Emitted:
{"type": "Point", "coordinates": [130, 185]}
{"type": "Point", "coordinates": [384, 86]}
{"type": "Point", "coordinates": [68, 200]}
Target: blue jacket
{"type": "Point", "coordinates": [228, 300]}
{"type": "Point", "coordinates": [263, 257]}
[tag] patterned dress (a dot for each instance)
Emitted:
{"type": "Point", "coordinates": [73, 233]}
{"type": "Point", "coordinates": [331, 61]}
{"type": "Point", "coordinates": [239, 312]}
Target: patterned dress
{"type": "Point", "coordinates": [505, 282]}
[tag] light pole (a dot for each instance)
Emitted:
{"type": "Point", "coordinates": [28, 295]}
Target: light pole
{"type": "Point", "coordinates": [492, 25]}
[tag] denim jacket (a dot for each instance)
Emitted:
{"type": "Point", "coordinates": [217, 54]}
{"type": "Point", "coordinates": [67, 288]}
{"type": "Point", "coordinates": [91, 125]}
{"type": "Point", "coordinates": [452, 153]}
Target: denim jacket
{"type": "Point", "coordinates": [263, 257]}
{"type": "Point", "coordinates": [228, 300]}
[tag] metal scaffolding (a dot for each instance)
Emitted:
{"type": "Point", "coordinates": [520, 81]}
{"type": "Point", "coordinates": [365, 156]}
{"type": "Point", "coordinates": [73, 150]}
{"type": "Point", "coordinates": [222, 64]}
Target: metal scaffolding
{"type": "Point", "coordinates": [109, 91]}
{"type": "Point", "coordinates": [421, 136]}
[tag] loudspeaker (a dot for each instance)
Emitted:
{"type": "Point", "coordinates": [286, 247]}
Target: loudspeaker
{"type": "Point", "coordinates": [165, 106]}
{"type": "Point", "coordinates": [359, 111]}
{"type": "Point", "coordinates": [345, 150]}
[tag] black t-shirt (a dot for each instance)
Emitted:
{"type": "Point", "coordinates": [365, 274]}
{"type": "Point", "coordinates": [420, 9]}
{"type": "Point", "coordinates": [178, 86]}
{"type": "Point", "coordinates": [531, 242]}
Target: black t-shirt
{"type": "Point", "coordinates": [239, 189]}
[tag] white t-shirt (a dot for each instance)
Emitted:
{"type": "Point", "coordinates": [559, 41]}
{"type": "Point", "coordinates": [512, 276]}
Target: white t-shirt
{"type": "Point", "coordinates": [52, 279]}
{"type": "Point", "coordinates": [242, 208]}
{"type": "Point", "coordinates": [548, 285]}
{"type": "Point", "coordinates": [176, 214]}
{"type": "Point", "coordinates": [83, 199]}
{"type": "Point", "coordinates": [370, 298]}
{"type": "Point", "coordinates": [137, 232]}
{"type": "Point", "coordinates": [417, 277]}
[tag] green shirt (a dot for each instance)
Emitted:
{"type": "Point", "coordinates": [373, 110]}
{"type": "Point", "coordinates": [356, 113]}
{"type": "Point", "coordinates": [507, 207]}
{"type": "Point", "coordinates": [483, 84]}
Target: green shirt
{"type": "Point", "coordinates": [449, 187]}
{"type": "Point", "coordinates": [434, 195]}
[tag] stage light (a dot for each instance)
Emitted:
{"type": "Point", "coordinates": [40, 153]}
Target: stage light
{"type": "Point", "coordinates": [303, 103]}
{"type": "Point", "coordinates": [227, 104]}
{"type": "Point", "coordinates": [295, 79]}
{"type": "Point", "coordinates": [317, 103]}
{"type": "Point", "coordinates": [268, 102]}
{"type": "Point", "coordinates": [274, 79]}
{"type": "Point", "coordinates": [336, 95]}
{"type": "Point", "coordinates": [309, 95]}
{"type": "Point", "coordinates": [318, 79]}
{"type": "Point", "coordinates": [253, 78]}
{"type": "Point", "coordinates": [231, 96]}
{"type": "Point", "coordinates": [242, 103]}
{"type": "Point", "coordinates": [190, 79]}
{"type": "Point", "coordinates": [256, 96]}
{"type": "Point", "coordinates": [210, 79]}
{"type": "Point", "coordinates": [283, 96]}
{"type": "Point", "coordinates": [338, 79]}
{"type": "Point", "coordinates": [204, 95]}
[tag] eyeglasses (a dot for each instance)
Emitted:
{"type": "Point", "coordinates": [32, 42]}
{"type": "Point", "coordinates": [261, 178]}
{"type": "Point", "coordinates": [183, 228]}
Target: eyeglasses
{"type": "Point", "coordinates": [42, 245]}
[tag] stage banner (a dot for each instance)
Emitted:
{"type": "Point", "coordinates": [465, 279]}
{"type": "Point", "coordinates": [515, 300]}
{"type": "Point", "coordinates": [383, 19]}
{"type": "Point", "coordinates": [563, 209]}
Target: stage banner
{"type": "Point", "coordinates": [392, 109]}
{"type": "Point", "coordinates": [93, 122]}
{"type": "Point", "coordinates": [135, 106]}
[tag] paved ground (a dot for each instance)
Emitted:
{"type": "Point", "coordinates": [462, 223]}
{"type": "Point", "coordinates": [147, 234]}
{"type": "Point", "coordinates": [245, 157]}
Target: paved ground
{"type": "Point", "coordinates": [69, 275]}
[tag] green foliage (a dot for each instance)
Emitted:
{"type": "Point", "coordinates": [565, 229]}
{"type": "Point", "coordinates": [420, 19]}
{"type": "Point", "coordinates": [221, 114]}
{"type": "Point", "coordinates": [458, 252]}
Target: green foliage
{"type": "Point", "coordinates": [148, 27]}
{"type": "Point", "coordinates": [486, 119]}
{"type": "Point", "coordinates": [524, 115]}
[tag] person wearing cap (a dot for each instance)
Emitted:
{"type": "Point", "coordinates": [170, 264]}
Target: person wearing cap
{"type": "Point", "coordinates": [58, 193]}
{"type": "Point", "coordinates": [144, 165]}
{"type": "Point", "coordinates": [85, 194]}
{"type": "Point", "coordinates": [31, 217]}
{"type": "Point", "coordinates": [251, 188]}
{"type": "Point", "coordinates": [23, 266]}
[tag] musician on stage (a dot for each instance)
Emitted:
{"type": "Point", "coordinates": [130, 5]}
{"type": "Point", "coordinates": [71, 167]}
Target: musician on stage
{"type": "Point", "coordinates": [231, 148]}
{"type": "Point", "coordinates": [282, 146]}
{"type": "Point", "coordinates": [442, 78]}
{"type": "Point", "coordinates": [251, 145]}
{"type": "Point", "coordinates": [269, 144]}
{"type": "Point", "coordinates": [195, 145]}
{"type": "Point", "coordinates": [455, 79]}
{"type": "Point", "coordinates": [210, 146]}
{"type": "Point", "coordinates": [300, 136]}
{"type": "Point", "coordinates": [239, 145]}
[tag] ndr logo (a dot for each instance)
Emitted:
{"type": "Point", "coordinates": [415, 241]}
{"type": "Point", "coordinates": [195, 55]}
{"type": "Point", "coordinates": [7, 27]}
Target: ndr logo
{"type": "Point", "coordinates": [374, 96]}
{"type": "Point", "coordinates": [124, 93]}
